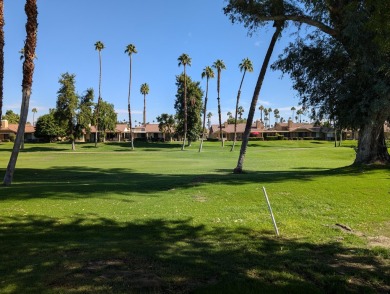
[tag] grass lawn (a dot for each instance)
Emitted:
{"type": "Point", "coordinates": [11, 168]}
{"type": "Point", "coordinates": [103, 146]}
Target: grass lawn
{"type": "Point", "coordinates": [161, 220]}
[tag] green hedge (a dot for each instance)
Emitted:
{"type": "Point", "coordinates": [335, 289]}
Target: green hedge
{"type": "Point", "coordinates": [255, 139]}
{"type": "Point", "coordinates": [212, 139]}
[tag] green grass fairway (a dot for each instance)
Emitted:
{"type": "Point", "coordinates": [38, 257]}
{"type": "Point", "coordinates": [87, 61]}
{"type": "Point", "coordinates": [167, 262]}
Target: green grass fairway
{"type": "Point", "coordinates": [161, 220]}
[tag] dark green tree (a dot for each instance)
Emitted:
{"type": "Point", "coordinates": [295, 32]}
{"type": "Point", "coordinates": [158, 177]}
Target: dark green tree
{"type": "Point", "coordinates": [194, 100]}
{"type": "Point", "coordinates": [66, 106]}
{"type": "Point", "coordinates": [47, 127]}
{"type": "Point", "coordinates": [12, 117]}
{"type": "Point", "coordinates": [85, 112]}
{"type": "Point", "coordinates": [107, 118]}
{"type": "Point", "coordinates": [340, 67]}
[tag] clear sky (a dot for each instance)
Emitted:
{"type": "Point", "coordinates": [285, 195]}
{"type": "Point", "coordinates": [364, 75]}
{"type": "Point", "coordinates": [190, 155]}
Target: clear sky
{"type": "Point", "coordinates": [161, 32]}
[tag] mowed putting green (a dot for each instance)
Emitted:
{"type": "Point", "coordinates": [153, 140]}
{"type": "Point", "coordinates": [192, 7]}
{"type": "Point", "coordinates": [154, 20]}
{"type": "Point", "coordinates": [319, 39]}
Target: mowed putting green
{"type": "Point", "coordinates": [161, 220]}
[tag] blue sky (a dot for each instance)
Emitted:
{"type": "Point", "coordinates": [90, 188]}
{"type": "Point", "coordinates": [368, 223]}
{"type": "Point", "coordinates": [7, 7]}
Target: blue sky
{"type": "Point", "coordinates": [161, 32]}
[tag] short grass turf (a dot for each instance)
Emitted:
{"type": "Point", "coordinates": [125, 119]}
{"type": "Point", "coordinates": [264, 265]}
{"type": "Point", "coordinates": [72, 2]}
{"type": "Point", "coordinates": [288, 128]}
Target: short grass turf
{"type": "Point", "coordinates": [161, 220]}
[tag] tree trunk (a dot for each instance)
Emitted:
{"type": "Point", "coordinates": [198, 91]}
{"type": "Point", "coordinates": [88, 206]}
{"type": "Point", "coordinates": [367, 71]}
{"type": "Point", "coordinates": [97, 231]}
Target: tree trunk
{"type": "Point", "coordinates": [19, 139]}
{"type": "Point", "coordinates": [255, 97]}
{"type": "Point", "coordinates": [372, 145]}
{"type": "Point", "coordinates": [73, 145]}
{"type": "Point", "coordinates": [185, 109]}
{"type": "Point", "coordinates": [204, 114]}
{"type": "Point", "coordinates": [129, 109]}
{"type": "Point", "coordinates": [235, 117]}
{"type": "Point", "coordinates": [28, 72]}
{"type": "Point", "coordinates": [100, 97]}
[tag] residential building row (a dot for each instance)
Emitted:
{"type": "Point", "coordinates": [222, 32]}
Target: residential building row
{"type": "Point", "coordinates": [150, 132]}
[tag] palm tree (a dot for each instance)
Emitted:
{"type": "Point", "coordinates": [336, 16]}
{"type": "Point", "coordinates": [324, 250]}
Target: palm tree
{"type": "Point", "coordinates": [299, 113]}
{"type": "Point", "coordinates": [130, 49]}
{"type": "Point", "coordinates": [209, 115]}
{"type": "Point", "coordinates": [266, 116]}
{"type": "Point", "coordinates": [28, 72]}
{"type": "Point", "coordinates": [34, 111]}
{"type": "Point", "coordinates": [261, 108]}
{"type": "Point", "coordinates": [293, 111]}
{"type": "Point", "coordinates": [144, 91]}
{"type": "Point", "coordinates": [219, 65]}
{"type": "Point", "coordinates": [99, 46]}
{"type": "Point", "coordinates": [269, 116]}
{"type": "Point", "coordinates": [245, 65]}
{"type": "Point", "coordinates": [208, 73]}
{"type": "Point", "coordinates": [240, 111]}
{"type": "Point", "coordinates": [184, 60]}
{"type": "Point", "coordinates": [278, 28]}
{"type": "Point", "coordinates": [276, 115]}
{"type": "Point", "coordinates": [1, 56]}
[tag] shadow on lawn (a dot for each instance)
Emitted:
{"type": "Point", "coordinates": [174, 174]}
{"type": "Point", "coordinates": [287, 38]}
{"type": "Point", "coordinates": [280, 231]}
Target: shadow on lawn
{"type": "Point", "coordinates": [79, 182]}
{"type": "Point", "coordinates": [97, 255]}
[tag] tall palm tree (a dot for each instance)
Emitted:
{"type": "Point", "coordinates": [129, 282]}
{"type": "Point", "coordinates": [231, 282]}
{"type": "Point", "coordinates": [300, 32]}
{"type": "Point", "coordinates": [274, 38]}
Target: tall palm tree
{"type": "Point", "coordinates": [209, 115]}
{"type": "Point", "coordinates": [184, 60]}
{"type": "Point", "coordinates": [99, 46]}
{"type": "Point", "coordinates": [34, 111]}
{"type": "Point", "coordinates": [261, 108]}
{"type": "Point", "coordinates": [208, 73]}
{"type": "Point", "coordinates": [293, 111]}
{"type": "Point", "coordinates": [219, 65]}
{"type": "Point", "coordinates": [240, 111]}
{"type": "Point", "coordinates": [1, 57]}
{"type": "Point", "coordinates": [269, 116]}
{"type": "Point", "coordinates": [28, 72]}
{"type": "Point", "coordinates": [144, 91]}
{"type": "Point", "coordinates": [299, 113]}
{"type": "Point", "coordinates": [278, 28]}
{"type": "Point", "coordinates": [245, 65]}
{"type": "Point", "coordinates": [266, 116]}
{"type": "Point", "coordinates": [130, 49]}
{"type": "Point", "coordinates": [276, 115]}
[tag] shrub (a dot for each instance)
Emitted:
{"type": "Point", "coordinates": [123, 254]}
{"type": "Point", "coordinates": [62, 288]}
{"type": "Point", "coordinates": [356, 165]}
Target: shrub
{"type": "Point", "coordinates": [308, 138]}
{"type": "Point", "coordinates": [212, 139]}
{"type": "Point", "coordinates": [12, 137]}
{"type": "Point", "coordinates": [255, 139]}
{"type": "Point", "coordinates": [271, 138]}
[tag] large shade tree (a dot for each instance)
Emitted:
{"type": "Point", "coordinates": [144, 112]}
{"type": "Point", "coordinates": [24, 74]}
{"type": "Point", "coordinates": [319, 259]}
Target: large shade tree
{"type": "Point", "coordinates": [184, 60]}
{"type": "Point", "coordinates": [340, 67]}
{"type": "Point", "coordinates": [245, 66]}
{"type": "Point", "coordinates": [207, 73]}
{"type": "Point", "coordinates": [99, 46]}
{"type": "Point", "coordinates": [31, 10]}
{"type": "Point", "coordinates": [219, 65]}
{"type": "Point", "coordinates": [130, 50]}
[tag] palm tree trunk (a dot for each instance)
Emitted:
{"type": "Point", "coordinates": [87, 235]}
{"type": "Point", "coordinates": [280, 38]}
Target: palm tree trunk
{"type": "Point", "coordinates": [204, 114]}
{"type": "Point", "coordinates": [98, 104]}
{"type": "Point", "coordinates": [28, 72]}
{"type": "Point", "coordinates": [144, 109]}
{"type": "Point", "coordinates": [219, 108]}
{"type": "Point", "coordinates": [255, 97]}
{"type": "Point", "coordinates": [1, 56]}
{"type": "Point", "coordinates": [235, 118]}
{"type": "Point", "coordinates": [185, 109]}
{"type": "Point", "coordinates": [129, 109]}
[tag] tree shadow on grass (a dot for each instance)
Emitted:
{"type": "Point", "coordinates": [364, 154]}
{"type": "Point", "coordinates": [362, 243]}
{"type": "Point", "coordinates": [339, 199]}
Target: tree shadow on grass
{"type": "Point", "coordinates": [79, 182]}
{"type": "Point", "coordinates": [89, 254]}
